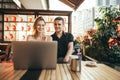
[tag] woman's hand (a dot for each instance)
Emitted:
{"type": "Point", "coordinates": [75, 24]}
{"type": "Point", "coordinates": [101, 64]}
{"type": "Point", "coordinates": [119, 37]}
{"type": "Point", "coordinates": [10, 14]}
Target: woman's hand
{"type": "Point", "coordinates": [49, 38]}
{"type": "Point", "coordinates": [44, 38]}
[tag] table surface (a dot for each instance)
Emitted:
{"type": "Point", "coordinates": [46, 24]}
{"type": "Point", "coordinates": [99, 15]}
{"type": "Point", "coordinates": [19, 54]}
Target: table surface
{"type": "Point", "coordinates": [62, 72]}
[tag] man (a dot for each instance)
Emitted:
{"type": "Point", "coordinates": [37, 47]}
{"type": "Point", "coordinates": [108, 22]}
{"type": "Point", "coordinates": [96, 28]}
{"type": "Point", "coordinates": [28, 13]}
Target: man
{"type": "Point", "coordinates": [65, 40]}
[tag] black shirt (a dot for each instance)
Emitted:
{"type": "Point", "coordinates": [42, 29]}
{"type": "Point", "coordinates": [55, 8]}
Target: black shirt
{"type": "Point", "coordinates": [62, 43]}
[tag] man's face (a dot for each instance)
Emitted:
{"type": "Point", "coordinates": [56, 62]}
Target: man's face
{"type": "Point", "coordinates": [58, 25]}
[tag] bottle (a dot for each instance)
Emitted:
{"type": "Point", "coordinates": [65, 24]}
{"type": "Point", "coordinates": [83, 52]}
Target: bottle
{"type": "Point", "coordinates": [79, 59]}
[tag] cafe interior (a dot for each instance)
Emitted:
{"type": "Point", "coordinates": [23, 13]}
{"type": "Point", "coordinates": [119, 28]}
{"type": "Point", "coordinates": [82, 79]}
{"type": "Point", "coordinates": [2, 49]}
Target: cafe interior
{"type": "Point", "coordinates": [39, 61]}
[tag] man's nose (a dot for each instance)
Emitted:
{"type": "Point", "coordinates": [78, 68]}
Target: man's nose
{"type": "Point", "coordinates": [57, 25]}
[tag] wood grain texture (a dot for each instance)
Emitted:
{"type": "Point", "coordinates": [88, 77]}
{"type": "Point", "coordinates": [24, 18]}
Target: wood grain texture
{"type": "Point", "coordinates": [62, 72]}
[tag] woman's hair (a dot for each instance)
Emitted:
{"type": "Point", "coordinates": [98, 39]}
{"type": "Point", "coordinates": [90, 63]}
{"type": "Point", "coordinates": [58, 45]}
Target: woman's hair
{"type": "Point", "coordinates": [35, 32]}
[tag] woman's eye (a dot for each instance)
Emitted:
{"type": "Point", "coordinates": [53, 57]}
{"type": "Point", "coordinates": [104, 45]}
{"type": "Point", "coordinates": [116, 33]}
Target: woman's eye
{"type": "Point", "coordinates": [40, 25]}
{"type": "Point", "coordinates": [43, 25]}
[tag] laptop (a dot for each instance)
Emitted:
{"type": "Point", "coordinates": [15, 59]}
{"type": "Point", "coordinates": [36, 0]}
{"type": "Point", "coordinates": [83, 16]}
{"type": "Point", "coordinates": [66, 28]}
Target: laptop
{"type": "Point", "coordinates": [34, 54]}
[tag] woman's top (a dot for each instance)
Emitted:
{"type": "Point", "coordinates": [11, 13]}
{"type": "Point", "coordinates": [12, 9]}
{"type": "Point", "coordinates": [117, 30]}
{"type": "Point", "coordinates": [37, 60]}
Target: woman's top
{"type": "Point", "coordinates": [41, 38]}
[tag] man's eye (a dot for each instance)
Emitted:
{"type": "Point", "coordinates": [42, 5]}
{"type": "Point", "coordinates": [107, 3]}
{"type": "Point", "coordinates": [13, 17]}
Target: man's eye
{"type": "Point", "coordinates": [57, 24]}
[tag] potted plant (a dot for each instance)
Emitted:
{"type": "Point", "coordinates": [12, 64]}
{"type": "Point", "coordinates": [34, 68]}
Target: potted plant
{"type": "Point", "coordinates": [106, 30]}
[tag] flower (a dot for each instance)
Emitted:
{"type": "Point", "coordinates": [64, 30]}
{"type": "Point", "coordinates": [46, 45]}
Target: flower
{"type": "Point", "coordinates": [115, 40]}
{"type": "Point", "coordinates": [91, 32]}
{"type": "Point", "coordinates": [77, 40]}
{"type": "Point", "coordinates": [112, 42]}
{"type": "Point", "coordinates": [116, 19]}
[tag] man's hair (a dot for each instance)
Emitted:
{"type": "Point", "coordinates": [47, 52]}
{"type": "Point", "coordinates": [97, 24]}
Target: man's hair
{"type": "Point", "coordinates": [59, 18]}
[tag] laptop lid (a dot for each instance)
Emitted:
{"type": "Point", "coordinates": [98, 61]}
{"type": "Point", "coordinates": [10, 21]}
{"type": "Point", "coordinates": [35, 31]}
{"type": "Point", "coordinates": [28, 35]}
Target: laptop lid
{"type": "Point", "coordinates": [34, 54]}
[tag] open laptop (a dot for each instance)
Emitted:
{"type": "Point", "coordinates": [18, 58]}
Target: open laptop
{"type": "Point", "coordinates": [34, 54]}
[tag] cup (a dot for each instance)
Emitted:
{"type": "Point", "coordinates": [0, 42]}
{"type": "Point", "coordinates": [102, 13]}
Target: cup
{"type": "Point", "coordinates": [75, 63]}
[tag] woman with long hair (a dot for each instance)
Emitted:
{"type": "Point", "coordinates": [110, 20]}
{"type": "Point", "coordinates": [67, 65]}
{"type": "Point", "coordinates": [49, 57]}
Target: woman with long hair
{"type": "Point", "coordinates": [39, 27]}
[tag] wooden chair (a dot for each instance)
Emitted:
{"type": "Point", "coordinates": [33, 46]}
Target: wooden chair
{"type": "Point", "coordinates": [5, 50]}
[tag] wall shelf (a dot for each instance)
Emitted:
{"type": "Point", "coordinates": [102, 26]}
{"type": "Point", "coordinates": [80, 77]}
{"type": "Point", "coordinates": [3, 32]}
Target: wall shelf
{"type": "Point", "coordinates": [17, 23]}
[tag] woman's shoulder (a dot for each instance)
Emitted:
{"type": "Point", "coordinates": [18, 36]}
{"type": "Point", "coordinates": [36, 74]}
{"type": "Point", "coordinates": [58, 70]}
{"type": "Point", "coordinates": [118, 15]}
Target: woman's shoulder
{"type": "Point", "coordinates": [30, 37]}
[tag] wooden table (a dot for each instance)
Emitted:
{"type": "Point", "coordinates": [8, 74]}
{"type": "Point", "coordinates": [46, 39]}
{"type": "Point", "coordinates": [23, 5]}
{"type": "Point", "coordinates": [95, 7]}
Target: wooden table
{"type": "Point", "coordinates": [62, 72]}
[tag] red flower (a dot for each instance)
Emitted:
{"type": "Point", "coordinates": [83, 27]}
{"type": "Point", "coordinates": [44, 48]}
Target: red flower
{"type": "Point", "coordinates": [116, 19]}
{"type": "Point", "coordinates": [112, 42]}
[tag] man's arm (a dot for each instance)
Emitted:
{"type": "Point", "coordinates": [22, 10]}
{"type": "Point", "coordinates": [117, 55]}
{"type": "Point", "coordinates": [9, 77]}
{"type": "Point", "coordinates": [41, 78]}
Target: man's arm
{"type": "Point", "coordinates": [69, 51]}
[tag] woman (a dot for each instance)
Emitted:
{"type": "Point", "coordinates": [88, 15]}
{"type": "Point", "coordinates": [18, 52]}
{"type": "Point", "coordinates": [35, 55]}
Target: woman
{"type": "Point", "coordinates": [39, 31]}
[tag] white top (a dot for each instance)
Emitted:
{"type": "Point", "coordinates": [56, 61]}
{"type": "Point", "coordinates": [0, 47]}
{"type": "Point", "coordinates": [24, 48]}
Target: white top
{"type": "Point", "coordinates": [43, 38]}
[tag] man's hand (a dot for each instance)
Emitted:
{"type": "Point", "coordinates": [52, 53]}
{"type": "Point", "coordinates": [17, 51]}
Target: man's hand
{"type": "Point", "coordinates": [66, 59]}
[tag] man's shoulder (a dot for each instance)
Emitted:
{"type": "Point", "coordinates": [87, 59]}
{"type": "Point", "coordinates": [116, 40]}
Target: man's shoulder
{"type": "Point", "coordinates": [53, 34]}
{"type": "Point", "coordinates": [68, 34]}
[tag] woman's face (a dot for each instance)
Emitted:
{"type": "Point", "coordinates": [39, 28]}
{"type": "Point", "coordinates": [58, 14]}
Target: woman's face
{"type": "Point", "coordinates": [40, 26]}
